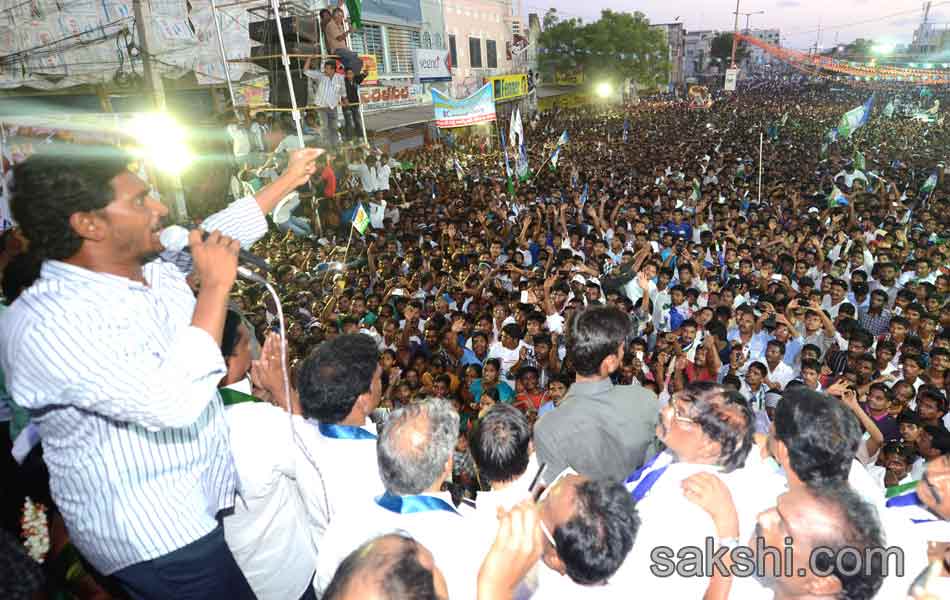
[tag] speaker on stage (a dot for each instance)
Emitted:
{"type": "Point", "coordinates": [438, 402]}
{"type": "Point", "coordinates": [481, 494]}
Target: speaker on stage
{"type": "Point", "coordinates": [280, 92]}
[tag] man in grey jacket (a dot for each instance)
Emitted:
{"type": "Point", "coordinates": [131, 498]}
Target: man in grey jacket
{"type": "Point", "coordinates": [601, 430]}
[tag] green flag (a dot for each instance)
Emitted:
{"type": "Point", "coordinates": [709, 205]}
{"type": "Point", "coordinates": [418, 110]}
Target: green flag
{"type": "Point", "coordinates": [859, 163]}
{"type": "Point", "coordinates": [361, 220]}
{"type": "Point", "coordinates": [355, 8]}
{"type": "Point", "coordinates": [929, 185]}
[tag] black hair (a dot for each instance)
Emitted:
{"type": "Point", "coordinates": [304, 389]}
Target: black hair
{"type": "Point", "coordinates": [820, 433]}
{"type": "Point", "coordinates": [594, 542]}
{"type": "Point", "coordinates": [335, 375]}
{"type": "Point", "coordinates": [593, 335]}
{"type": "Point", "coordinates": [713, 408]}
{"type": "Point", "coordinates": [499, 444]}
{"type": "Point", "coordinates": [49, 188]}
{"type": "Point", "coordinates": [231, 334]}
{"type": "Point", "coordinates": [513, 330]}
{"type": "Point", "coordinates": [397, 571]}
{"type": "Point", "coordinates": [21, 272]}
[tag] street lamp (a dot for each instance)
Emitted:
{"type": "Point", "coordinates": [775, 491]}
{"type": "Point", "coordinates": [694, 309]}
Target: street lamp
{"type": "Point", "coordinates": [749, 14]}
{"type": "Point", "coordinates": [603, 89]}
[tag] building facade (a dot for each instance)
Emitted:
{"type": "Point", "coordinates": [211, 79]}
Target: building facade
{"type": "Point", "coordinates": [698, 54]}
{"type": "Point", "coordinates": [479, 34]}
{"type": "Point", "coordinates": [758, 58]}
{"type": "Point", "coordinates": [676, 41]}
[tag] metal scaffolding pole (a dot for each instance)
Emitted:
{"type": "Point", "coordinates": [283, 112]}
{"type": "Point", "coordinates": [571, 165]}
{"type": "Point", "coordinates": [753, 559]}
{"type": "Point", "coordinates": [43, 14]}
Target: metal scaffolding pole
{"type": "Point", "coordinates": [224, 57]}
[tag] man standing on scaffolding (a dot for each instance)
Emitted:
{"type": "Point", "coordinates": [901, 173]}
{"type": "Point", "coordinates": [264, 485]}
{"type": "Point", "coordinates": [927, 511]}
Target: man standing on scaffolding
{"type": "Point", "coordinates": [335, 31]}
{"type": "Point", "coordinates": [329, 90]}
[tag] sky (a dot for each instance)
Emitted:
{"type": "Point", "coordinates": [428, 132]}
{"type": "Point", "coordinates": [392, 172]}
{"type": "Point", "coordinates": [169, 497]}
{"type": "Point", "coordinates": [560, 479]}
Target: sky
{"type": "Point", "coordinates": [841, 21]}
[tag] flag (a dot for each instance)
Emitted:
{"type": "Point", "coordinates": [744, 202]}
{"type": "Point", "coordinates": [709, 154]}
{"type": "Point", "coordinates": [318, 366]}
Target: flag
{"type": "Point", "coordinates": [697, 191]}
{"type": "Point", "coordinates": [355, 9]}
{"type": "Point", "coordinates": [855, 118]}
{"type": "Point", "coordinates": [361, 220]}
{"type": "Point", "coordinates": [773, 131]}
{"type": "Point", "coordinates": [557, 152]}
{"type": "Point", "coordinates": [823, 152]}
{"type": "Point", "coordinates": [584, 195]}
{"type": "Point", "coordinates": [504, 152]}
{"type": "Point", "coordinates": [563, 139]}
{"type": "Point", "coordinates": [859, 162]}
{"type": "Point", "coordinates": [626, 130]}
{"type": "Point", "coordinates": [784, 119]}
{"type": "Point", "coordinates": [522, 167]}
{"type": "Point", "coordinates": [516, 133]}
{"type": "Point", "coordinates": [836, 198]}
{"type": "Point", "coordinates": [459, 172]}
{"type": "Point", "coordinates": [831, 136]}
{"type": "Point", "coordinates": [929, 185]}
{"type": "Point", "coordinates": [889, 109]}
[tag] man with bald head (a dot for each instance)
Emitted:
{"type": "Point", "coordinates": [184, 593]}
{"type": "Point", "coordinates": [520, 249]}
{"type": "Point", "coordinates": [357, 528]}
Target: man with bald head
{"type": "Point", "coordinates": [390, 567]}
{"type": "Point", "coordinates": [414, 455]}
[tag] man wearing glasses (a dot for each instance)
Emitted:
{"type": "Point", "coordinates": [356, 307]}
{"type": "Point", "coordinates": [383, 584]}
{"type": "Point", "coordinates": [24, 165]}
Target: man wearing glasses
{"type": "Point", "coordinates": [706, 428]}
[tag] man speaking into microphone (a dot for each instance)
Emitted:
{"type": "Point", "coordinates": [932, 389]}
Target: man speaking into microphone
{"type": "Point", "coordinates": [118, 363]}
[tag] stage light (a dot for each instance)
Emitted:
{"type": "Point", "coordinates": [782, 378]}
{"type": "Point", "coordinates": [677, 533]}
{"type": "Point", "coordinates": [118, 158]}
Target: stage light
{"type": "Point", "coordinates": [161, 141]}
{"type": "Point", "coordinates": [603, 89]}
{"type": "Point", "coordinates": [882, 48]}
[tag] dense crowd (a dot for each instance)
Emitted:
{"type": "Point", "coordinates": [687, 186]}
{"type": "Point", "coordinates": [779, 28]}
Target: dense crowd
{"type": "Point", "coordinates": [771, 335]}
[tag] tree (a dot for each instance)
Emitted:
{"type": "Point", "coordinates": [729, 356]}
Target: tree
{"type": "Point", "coordinates": [859, 49]}
{"type": "Point", "coordinates": [722, 49]}
{"type": "Point", "coordinates": [618, 45]}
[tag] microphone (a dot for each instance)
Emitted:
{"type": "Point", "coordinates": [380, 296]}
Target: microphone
{"type": "Point", "coordinates": [175, 239]}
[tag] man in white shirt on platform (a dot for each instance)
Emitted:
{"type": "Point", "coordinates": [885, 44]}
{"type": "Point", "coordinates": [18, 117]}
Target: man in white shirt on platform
{"type": "Point", "coordinates": [706, 428]}
{"type": "Point", "coordinates": [329, 89]}
{"type": "Point", "coordinates": [414, 454]}
{"type": "Point", "coordinates": [295, 478]}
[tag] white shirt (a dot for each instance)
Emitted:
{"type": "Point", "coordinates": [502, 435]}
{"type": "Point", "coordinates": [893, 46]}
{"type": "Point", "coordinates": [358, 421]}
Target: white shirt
{"type": "Point", "coordinates": [257, 136]}
{"type": "Point", "coordinates": [668, 519]}
{"type": "Point", "coordinates": [240, 140]}
{"type": "Point", "coordinates": [781, 375]}
{"type": "Point", "coordinates": [488, 503]}
{"type": "Point", "coordinates": [329, 90]}
{"type": "Point", "coordinates": [268, 523]}
{"type": "Point", "coordinates": [458, 544]}
{"type": "Point", "coordinates": [507, 358]}
{"type": "Point", "coordinates": [348, 469]}
{"type": "Point", "coordinates": [369, 177]}
{"type": "Point", "coordinates": [124, 391]}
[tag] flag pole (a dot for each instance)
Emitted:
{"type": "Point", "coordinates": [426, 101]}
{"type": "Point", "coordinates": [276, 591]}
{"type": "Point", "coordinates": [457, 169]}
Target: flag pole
{"type": "Point", "coordinates": [348, 241]}
{"type": "Point", "coordinates": [761, 143]}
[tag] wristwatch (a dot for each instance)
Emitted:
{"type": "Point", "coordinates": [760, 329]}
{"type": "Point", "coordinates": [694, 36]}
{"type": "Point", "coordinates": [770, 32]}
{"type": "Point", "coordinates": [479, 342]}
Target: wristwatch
{"type": "Point", "coordinates": [729, 543]}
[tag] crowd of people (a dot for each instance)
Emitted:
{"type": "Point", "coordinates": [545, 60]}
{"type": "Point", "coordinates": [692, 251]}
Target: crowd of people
{"type": "Point", "coordinates": [494, 391]}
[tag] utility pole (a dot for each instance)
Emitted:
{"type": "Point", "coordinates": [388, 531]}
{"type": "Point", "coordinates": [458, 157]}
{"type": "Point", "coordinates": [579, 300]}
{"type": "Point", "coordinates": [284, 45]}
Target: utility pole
{"type": "Point", "coordinates": [143, 16]}
{"type": "Point", "coordinates": [735, 32]}
{"type": "Point", "coordinates": [169, 186]}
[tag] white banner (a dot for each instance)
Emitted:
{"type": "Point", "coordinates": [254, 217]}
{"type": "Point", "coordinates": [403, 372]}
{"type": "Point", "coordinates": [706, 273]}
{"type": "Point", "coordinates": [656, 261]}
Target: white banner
{"type": "Point", "coordinates": [432, 65]}
{"type": "Point", "coordinates": [731, 76]}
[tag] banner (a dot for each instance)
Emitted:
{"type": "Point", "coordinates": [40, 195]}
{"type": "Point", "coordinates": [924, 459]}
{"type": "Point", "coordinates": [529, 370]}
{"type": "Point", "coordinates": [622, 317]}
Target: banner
{"type": "Point", "coordinates": [569, 77]}
{"type": "Point", "coordinates": [508, 87]}
{"type": "Point", "coordinates": [371, 66]}
{"type": "Point", "coordinates": [477, 108]}
{"type": "Point", "coordinates": [432, 65]}
{"type": "Point", "coordinates": [731, 76]}
{"type": "Point", "coordinates": [400, 96]}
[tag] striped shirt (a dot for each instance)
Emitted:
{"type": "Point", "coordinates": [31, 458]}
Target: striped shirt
{"type": "Point", "coordinates": [327, 91]}
{"type": "Point", "coordinates": [124, 393]}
